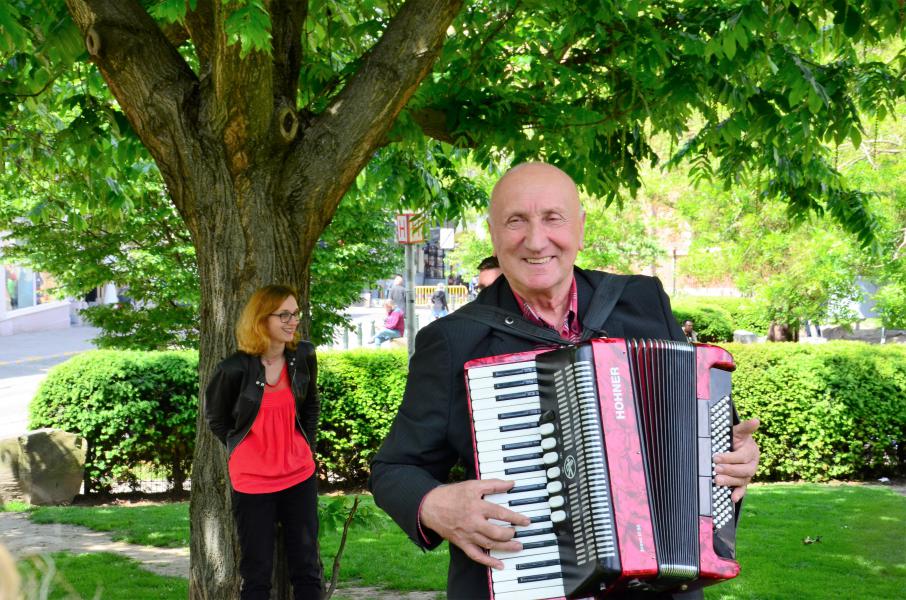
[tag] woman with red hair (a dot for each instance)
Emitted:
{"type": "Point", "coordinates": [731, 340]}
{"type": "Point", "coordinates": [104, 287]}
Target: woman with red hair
{"type": "Point", "coordinates": [262, 403]}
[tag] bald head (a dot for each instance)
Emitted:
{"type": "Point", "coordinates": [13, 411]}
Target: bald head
{"type": "Point", "coordinates": [524, 177]}
{"type": "Point", "coordinates": [537, 226]}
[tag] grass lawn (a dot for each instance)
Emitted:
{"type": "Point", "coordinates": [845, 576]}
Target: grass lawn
{"type": "Point", "coordinates": [103, 576]}
{"type": "Point", "coordinates": [861, 552]}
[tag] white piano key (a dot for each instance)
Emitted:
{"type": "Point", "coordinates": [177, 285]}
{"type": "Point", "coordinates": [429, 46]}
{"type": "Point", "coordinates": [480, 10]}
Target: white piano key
{"type": "Point", "coordinates": [491, 443]}
{"type": "Point", "coordinates": [501, 383]}
{"type": "Point", "coordinates": [509, 571]}
{"type": "Point", "coordinates": [490, 370]}
{"type": "Point", "coordinates": [517, 477]}
{"type": "Point", "coordinates": [512, 585]}
{"type": "Point", "coordinates": [489, 456]}
{"type": "Point", "coordinates": [496, 434]}
{"type": "Point", "coordinates": [534, 593]}
{"type": "Point", "coordinates": [495, 411]}
{"type": "Point", "coordinates": [532, 551]}
{"type": "Point", "coordinates": [495, 425]}
{"type": "Point", "coordinates": [502, 396]}
{"type": "Point", "coordinates": [505, 498]}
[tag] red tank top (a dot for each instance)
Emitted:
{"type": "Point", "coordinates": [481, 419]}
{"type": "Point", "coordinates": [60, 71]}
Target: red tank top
{"type": "Point", "coordinates": [273, 455]}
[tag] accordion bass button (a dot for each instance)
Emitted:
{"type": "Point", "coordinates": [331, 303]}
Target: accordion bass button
{"type": "Point", "coordinates": [550, 458]}
{"type": "Point", "coordinates": [553, 473]}
{"type": "Point", "coordinates": [548, 443]}
{"type": "Point", "coordinates": [546, 429]}
{"type": "Point", "coordinates": [555, 501]}
{"type": "Point", "coordinates": [554, 487]}
{"type": "Point", "coordinates": [558, 516]}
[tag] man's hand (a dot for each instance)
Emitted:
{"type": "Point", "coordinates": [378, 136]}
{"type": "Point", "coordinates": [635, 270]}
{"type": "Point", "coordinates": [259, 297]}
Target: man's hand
{"type": "Point", "coordinates": [457, 513]}
{"type": "Point", "coordinates": [736, 469]}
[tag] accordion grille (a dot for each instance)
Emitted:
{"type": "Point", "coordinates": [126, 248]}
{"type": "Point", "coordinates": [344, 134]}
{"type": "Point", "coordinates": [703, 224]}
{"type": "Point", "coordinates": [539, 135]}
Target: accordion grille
{"type": "Point", "coordinates": [663, 375]}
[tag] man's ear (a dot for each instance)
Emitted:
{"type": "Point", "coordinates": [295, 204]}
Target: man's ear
{"type": "Point", "coordinates": [582, 232]}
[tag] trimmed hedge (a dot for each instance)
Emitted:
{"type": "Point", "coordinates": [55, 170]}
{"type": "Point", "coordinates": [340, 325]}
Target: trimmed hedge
{"type": "Point", "coordinates": [828, 411]}
{"type": "Point", "coordinates": [134, 408]}
{"type": "Point", "coordinates": [716, 318]}
{"type": "Point", "coordinates": [360, 393]}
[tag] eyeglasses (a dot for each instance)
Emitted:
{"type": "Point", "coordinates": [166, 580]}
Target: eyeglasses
{"type": "Point", "coordinates": [286, 316]}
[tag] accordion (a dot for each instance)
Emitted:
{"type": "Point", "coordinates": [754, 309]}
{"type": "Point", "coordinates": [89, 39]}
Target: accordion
{"type": "Point", "coordinates": [610, 444]}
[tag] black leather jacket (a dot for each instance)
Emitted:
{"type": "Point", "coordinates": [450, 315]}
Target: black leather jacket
{"type": "Point", "coordinates": [233, 396]}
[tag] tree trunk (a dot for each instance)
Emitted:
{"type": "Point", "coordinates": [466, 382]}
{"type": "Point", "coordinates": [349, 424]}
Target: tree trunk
{"type": "Point", "coordinates": [236, 255]}
{"type": "Point", "coordinates": [255, 188]}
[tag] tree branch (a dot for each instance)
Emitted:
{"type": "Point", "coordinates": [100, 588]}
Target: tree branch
{"type": "Point", "coordinates": [340, 141]}
{"type": "Point", "coordinates": [287, 17]}
{"type": "Point", "coordinates": [145, 73]}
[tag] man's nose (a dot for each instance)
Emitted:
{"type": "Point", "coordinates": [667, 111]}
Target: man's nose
{"type": "Point", "coordinates": [535, 237]}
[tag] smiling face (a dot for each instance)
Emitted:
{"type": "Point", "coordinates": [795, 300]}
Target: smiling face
{"type": "Point", "coordinates": [537, 229]}
{"type": "Point", "coordinates": [279, 331]}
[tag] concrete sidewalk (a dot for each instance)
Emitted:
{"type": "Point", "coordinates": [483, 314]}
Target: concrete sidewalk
{"type": "Point", "coordinates": [25, 359]}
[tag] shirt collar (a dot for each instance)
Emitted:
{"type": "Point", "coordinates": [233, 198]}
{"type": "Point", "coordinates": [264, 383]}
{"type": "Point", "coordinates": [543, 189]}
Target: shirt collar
{"type": "Point", "coordinates": [570, 329]}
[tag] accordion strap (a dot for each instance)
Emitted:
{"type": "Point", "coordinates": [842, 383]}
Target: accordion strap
{"type": "Point", "coordinates": [606, 295]}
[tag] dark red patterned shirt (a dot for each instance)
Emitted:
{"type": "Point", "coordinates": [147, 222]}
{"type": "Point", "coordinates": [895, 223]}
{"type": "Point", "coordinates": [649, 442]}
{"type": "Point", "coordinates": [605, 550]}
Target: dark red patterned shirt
{"type": "Point", "coordinates": [570, 329]}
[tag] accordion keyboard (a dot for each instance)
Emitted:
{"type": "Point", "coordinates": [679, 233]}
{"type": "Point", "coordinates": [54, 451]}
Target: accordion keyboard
{"type": "Point", "coordinates": [506, 411]}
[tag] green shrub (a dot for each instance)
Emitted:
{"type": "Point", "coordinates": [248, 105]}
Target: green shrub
{"type": "Point", "coordinates": [360, 393]}
{"type": "Point", "coordinates": [828, 411]}
{"type": "Point", "coordinates": [134, 408]}
{"type": "Point", "coordinates": [716, 318]}
{"type": "Point", "coordinates": [712, 324]}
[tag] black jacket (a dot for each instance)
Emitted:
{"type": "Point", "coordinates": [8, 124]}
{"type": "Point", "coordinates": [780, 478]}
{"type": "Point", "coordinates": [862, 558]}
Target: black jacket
{"type": "Point", "coordinates": [431, 432]}
{"type": "Point", "coordinates": [233, 396]}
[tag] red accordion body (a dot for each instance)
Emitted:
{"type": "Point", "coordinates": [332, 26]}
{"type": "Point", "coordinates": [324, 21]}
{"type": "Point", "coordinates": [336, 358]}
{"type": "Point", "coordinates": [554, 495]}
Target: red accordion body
{"type": "Point", "coordinates": [610, 444]}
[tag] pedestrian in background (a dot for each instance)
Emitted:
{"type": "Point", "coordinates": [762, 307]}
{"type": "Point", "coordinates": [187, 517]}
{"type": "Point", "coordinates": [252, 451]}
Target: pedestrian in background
{"type": "Point", "coordinates": [394, 324]}
{"type": "Point", "coordinates": [262, 403]}
{"type": "Point", "coordinates": [439, 302]}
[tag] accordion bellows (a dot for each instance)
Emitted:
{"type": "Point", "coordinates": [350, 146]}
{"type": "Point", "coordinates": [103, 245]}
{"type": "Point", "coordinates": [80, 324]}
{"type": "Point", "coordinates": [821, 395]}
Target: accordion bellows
{"type": "Point", "coordinates": [610, 444]}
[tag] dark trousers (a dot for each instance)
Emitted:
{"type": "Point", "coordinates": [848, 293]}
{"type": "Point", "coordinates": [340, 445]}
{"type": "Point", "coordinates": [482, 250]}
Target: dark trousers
{"type": "Point", "coordinates": [257, 515]}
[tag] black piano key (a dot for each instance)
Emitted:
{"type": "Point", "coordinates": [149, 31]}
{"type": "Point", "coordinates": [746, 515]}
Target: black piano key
{"type": "Point", "coordinates": [541, 544]}
{"type": "Point", "coordinates": [518, 426]}
{"type": "Point", "coordinates": [525, 469]}
{"type": "Point", "coordinates": [519, 413]}
{"type": "Point", "coordinates": [508, 459]}
{"type": "Point", "coordinates": [516, 395]}
{"type": "Point", "coordinates": [541, 577]}
{"type": "Point", "coordinates": [539, 518]}
{"type": "Point", "coordinates": [538, 564]}
{"type": "Point", "coordinates": [532, 487]}
{"type": "Point", "coordinates": [531, 532]}
{"type": "Point", "coordinates": [525, 501]}
{"type": "Point", "coordinates": [508, 372]}
{"type": "Point", "coordinates": [520, 445]}
{"type": "Point", "coordinates": [512, 384]}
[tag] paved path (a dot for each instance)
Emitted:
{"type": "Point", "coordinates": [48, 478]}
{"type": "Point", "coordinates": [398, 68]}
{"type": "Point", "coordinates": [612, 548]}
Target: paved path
{"type": "Point", "coordinates": [25, 359]}
{"type": "Point", "coordinates": [24, 538]}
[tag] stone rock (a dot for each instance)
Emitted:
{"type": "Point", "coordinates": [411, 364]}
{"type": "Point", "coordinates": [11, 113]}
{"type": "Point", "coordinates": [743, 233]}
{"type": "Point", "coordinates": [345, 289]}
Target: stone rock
{"type": "Point", "coordinates": [744, 337]}
{"type": "Point", "coordinates": [10, 489]}
{"type": "Point", "coordinates": [42, 467]}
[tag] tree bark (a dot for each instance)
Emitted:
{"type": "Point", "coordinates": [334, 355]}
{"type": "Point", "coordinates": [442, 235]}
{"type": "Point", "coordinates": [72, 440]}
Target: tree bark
{"type": "Point", "coordinates": [254, 190]}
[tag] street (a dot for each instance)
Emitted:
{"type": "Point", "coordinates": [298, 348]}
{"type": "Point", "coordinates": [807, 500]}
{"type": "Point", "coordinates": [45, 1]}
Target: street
{"type": "Point", "coordinates": [25, 359]}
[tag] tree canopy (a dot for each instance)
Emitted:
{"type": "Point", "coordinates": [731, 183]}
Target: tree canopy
{"type": "Point", "coordinates": [261, 115]}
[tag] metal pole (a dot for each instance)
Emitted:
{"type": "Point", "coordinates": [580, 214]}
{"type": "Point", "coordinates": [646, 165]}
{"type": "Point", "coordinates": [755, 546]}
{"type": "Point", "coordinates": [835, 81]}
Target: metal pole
{"type": "Point", "coordinates": [411, 327]}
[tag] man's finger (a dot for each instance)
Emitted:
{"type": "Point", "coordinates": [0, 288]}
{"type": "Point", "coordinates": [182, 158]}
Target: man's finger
{"type": "Point", "coordinates": [494, 486]}
{"type": "Point", "coordinates": [475, 552]}
{"type": "Point", "coordinates": [746, 427]}
{"type": "Point", "coordinates": [495, 511]}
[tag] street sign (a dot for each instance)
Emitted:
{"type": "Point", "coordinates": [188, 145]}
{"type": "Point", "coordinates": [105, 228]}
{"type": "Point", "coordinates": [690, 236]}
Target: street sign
{"type": "Point", "coordinates": [446, 238]}
{"type": "Point", "coordinates": [408, 231]}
